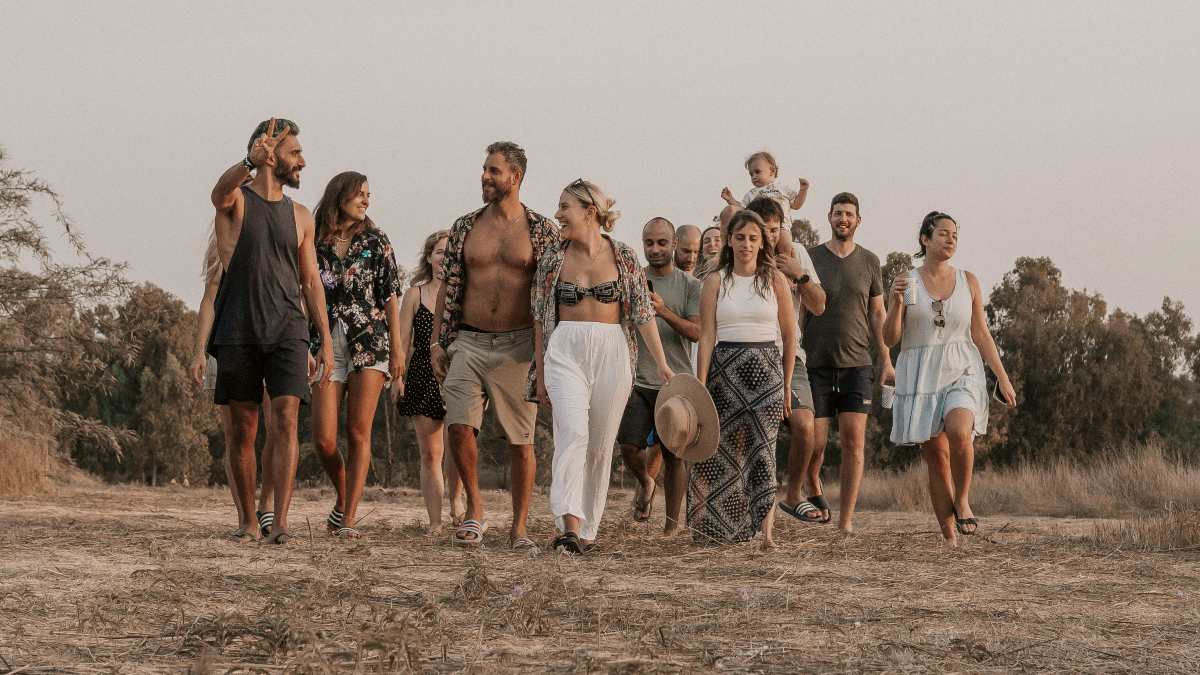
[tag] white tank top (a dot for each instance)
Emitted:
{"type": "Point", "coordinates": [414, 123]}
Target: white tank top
{"type": "Point", "coordinates": [745, 316]}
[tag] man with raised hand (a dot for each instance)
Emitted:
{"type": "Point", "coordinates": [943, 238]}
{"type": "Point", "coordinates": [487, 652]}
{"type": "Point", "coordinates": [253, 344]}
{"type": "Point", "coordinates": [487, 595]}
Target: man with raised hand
{"type": "Point", "coordinates": [260, 333]}
{"type": "Point", "coordinates": [838, 346]}
{"type": "Point", "coordinates": [483, 334]}
{"type": "Point", "coordinates": [676, 298]}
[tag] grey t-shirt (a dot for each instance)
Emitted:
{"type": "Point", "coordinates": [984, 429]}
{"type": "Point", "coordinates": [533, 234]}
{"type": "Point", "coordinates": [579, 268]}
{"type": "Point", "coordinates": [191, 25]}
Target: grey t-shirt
{"type": "Point", "coordinates": [841, 337]}
{"type": "Point", "coordinates": [680, 292]}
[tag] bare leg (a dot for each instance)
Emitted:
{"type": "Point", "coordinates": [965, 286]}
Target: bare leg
{"type": "Point", "coordinates": [243, 428]}
{"type": "Point", "coordinates": [654, 460]}
{"type": "Point", "coordinates": [325, 426]}
{"type": "Point", "coordinates": [433, 485]}
{"type": "Point", "coordinates": [960, 432]}
{"type": "Point", "coordinates": [768, 529]}
{"type": "Point", "coordinates": [285, 410]}
{"type": "Point", "coordinates": [226, 424]}
{"type": "Point", "coordinates": [800, 452]}
{"type": "Point", "coordinates": [570, 523]}
{"type": "Point", "coordinates": [466, 458]}
{"type": "Point", "coordinates": [454, 484]}
{"type": "Point", "coordinates": [522, 467]}
{"type": "Point", "coordinates": [853, 433]}
{"type": "Point", "coordinates": [361, 404]}
{"type": "Point", "coordinates": [675, 478]}
{"type": "Point", "coordinates": [936, 452]}
{"type": "Point", "coordinates": [635, 460]}
{"type": "Point", "coordinates": [817, 458]}
{"type": "Point", "coordinates": [266, 494]}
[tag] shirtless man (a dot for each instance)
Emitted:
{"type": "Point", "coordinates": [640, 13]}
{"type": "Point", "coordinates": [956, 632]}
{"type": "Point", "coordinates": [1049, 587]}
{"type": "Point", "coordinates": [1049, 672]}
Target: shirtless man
{"type": "Point", "coordinates": [483, 328]}
{"type": "Point", "coordinates": [260, 334]}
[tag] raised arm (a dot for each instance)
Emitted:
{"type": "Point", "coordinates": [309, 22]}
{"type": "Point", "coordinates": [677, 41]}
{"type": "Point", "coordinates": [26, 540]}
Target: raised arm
{"type": "Point", "coordinates": [688, 327]}
{"type": "Point", "coordinates": [801, 194]}
{"type": "Point", "coordinates": [893, 322]}
{"type": "Point", "coordinates": [983, 340]}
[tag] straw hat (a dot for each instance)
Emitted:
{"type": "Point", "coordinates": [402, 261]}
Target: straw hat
{"type": "Point", "coordinates": [685, 419]}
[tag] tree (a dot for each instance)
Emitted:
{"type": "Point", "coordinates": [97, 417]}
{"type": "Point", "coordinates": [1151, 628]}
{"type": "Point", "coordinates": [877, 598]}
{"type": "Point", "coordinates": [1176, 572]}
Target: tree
{"type": "Point", "coordinates": [803, 232]}
{"type": "Point", "coordinates": [40, 299]}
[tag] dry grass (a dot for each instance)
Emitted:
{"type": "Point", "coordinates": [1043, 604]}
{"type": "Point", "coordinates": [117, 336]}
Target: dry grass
{"type": "Point", "coordinates": [25, 464]}
{"type": "Point", "coordinates": [1169, 529]}
{"type": "Point", "coordinates": [126, 579]}
{"type": "Point", "coordinates": [1141, 479]}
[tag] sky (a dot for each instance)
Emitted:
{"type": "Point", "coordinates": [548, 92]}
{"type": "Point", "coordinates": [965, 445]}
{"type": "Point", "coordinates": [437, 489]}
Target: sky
{"type": "Point", "coordinates": [1060, 129]}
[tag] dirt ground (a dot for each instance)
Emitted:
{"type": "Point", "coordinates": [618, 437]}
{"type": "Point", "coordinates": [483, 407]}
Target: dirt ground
{"type": "Point", "coordinates": [123, 579]}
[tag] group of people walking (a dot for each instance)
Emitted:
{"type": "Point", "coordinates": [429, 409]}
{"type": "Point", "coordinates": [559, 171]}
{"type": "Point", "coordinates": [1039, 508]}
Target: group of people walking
{"type": "Point", "coordinates": [689, 365]}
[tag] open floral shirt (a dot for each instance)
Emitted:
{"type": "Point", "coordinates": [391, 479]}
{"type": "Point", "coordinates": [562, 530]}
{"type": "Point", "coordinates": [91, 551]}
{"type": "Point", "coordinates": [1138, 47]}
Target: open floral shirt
{"type": "Point", "coordinates": [636, 308]}
{"type": "Point", "coordinates": [357, 289]}
{"type": "Point", "coordinates": [543, 233]}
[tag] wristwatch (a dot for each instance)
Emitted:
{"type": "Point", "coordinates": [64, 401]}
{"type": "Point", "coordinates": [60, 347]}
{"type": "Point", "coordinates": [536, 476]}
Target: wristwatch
{"type": "Point", "coordinates": [248, 164]}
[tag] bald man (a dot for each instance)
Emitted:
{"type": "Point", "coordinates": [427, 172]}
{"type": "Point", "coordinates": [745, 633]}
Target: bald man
{"type": "Point", "coordinates": [687, 248]}
{"type": "Point", "coordinates": [676, 298]}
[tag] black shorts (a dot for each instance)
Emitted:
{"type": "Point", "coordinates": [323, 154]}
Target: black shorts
{"type": "Point", "coordinates": [841, 390]}
{"type": "Point", "coordinates": [243, 369]}
{"type": "Point", "coordinates": [638, 420]}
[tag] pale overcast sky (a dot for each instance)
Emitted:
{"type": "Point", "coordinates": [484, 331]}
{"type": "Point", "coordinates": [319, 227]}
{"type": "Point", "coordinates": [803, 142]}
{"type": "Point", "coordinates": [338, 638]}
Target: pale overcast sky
{"type": "Point", "coordinates": [1060, 129]}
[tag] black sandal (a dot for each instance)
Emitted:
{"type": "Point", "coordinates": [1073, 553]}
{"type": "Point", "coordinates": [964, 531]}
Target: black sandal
{"type": "Point", "coordinates": [802, 511]}
{"type": "Point", "coordinates": [642, 509]}
{"type": "Point", "coordinates": [335, 521]}
{"type": "Point", "coordinates": [819, 502]}
{"type": "Point", "coordinates": [568, 543]}
{"type": "Point", "coordinates": [961, 524]}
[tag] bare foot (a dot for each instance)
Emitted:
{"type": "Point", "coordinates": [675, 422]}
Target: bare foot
{"type": "Point", "coordinates": [245, 536]}
{"type": "Point", "coordinates": [768, 544]}
{"type": "Point", "coordinates": [671, 531]}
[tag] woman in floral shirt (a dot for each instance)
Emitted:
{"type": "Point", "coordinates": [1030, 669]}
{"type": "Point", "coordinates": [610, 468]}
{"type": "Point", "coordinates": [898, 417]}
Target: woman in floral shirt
{"type": "Point", "coordinates": [589, 295]}
{"type": "Point", "coordinates": [362, 286]}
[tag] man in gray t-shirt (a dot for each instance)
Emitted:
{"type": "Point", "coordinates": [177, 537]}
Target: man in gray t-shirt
{"type": "Point", "coordinates": [676, 298]}
{"type": "Point", "coordinates": [838, 346]}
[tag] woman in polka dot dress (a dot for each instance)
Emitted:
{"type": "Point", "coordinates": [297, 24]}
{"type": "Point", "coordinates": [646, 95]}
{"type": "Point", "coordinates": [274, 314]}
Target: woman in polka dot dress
{"type": "Point", "coordinates": [744, 304]}
{"type": "Point", "coordinates": [417, 394]}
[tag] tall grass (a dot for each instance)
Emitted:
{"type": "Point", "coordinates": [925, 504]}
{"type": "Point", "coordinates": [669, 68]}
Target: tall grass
{"type": "Point", "coordinates": [24, 462]}
{"type": "Point", "coordinates": [1117, 485]}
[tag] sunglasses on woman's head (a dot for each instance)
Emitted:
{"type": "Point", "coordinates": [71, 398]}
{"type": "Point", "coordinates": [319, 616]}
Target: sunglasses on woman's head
{"type": "Point", "coordinates": [579, 182]}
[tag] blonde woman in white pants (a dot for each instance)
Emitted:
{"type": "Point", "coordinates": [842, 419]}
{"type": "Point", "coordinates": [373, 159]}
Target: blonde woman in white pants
{"type": "Point", "coordinates": [589, 296]}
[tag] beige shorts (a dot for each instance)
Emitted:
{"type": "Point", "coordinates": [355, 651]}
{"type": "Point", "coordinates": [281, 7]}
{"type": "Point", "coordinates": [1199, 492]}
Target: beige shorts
{"type": "Point", "coordinates": [494, 365]}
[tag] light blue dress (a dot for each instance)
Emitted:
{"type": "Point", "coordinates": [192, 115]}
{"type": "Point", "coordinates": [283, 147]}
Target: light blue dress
{"type": "Point", "coordinates": [939, 369]}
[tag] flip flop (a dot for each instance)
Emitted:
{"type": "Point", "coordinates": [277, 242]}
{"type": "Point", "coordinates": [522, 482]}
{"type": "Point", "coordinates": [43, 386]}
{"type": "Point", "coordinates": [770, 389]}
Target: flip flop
{"type": "Point", "coordinates": [347, 533]}
{"type": "Point", "coordinates": [525, 544]}
{"type": "Point", "coordinates": [265, 520]}
{"type": "Point", "coordinates": [642, 509]}
{"type": "Point", "coordinates": [279, 539]}
{"type": "Point", "coordinates": [569, 543]}
{"type": "Point", "coordinates": [803, 511]}
{"type": "Point", "coordinates": [819, 502]}
{"type": "Point", "coordinates": [242, 537]}
{"type": "Point", "coordinates": [470, 533]}
{"type": "Point", "coordinates": [961, 524]}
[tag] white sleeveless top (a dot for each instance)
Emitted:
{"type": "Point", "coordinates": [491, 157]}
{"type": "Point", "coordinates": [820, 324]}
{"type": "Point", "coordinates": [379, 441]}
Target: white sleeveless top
{"type": "Point", "coordinates": [743, 315]}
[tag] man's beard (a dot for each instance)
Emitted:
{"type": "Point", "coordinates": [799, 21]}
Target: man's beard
{"type": "Point", "coordinates": [500, 192]}
{"type": "Point", "coordinates": [285, 176]}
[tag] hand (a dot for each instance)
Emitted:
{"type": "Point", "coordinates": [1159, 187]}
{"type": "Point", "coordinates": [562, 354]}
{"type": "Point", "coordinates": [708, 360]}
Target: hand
{"type": "Point", "coordinates": [262, 153]}
{"type": "Point", "coordinates": [787, 402]}
{"type": "Point", "coordinates": [397, 389]}
{"type": "Point", "coordinates": [665, 372]}
{"type": "Point", "coordinates": [888, 376]}
{"type": "Point", "coordinates": [439, 360]}
{"type": "Point", "coordinates": [312, 368]}
{"type": "Point", "coordinates": [1008, 393]}
{"type": "Point", "coordinates": [804, 185]}
{"type": "Point", "coordinates": [543, 396]}
{"type": "Point", "coordinates": [326, 364]}
{"type": "Point", "coordinates": [657, 301]}
{"type": "Point", "coordinates": [199, 364]}
{"type": "Point", "coordinates": [727, 195]}
{"type": "Point", "coordinates": [899, 285]}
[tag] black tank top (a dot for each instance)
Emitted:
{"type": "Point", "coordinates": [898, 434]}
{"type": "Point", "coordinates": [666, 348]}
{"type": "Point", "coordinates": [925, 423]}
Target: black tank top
{"type": "Point", "coordinates": [258, 301]}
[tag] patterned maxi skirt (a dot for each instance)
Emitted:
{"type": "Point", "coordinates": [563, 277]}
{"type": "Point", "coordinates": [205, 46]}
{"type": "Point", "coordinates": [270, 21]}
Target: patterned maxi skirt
{"type": "Point", "coordinates": [730, 493]}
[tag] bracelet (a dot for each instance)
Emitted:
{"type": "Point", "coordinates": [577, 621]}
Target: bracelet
{"type": "Point", "coordinates": [248, 164]}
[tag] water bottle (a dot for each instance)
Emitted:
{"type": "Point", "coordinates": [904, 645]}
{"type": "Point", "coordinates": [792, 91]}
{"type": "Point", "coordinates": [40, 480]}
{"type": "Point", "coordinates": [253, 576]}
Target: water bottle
{"type": "Point", "coordinates": [910, 293]}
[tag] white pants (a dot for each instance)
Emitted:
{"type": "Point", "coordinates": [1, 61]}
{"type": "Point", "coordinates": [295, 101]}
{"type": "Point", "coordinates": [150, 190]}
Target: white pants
{"type": "Point", "coordinates": [586, 368]}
